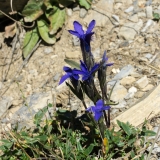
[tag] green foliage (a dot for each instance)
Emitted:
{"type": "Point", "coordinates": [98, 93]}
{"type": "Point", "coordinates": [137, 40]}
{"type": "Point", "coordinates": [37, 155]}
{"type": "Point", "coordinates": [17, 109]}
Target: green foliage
{"type": "Point", "coordinates": [127, 142]}
{"type": "Point", "coordinates": [156, 16]}
{"type": "Point", "coordinates": [30, 40]}
{"type": "Point", "coordinates": [50, 16]}
{"type": "Point", "coordinates": [66, 137]}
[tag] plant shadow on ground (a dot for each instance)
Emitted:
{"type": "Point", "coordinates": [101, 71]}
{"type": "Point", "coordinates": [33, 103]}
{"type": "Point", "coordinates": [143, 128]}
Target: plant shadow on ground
{"type": "Point", "coordinates": [66, 136]}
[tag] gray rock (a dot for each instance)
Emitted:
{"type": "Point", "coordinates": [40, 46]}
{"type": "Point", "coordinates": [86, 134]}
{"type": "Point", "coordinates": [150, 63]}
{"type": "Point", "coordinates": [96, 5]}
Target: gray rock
{"type": "Point", "coordinates": [96, 53]}
{"type": "Point", "coordinates": [149, 12]}
{"type": "Point", "coordinates": [76, 41]}
{"type": "Point", "coordinates": [119, 92]}
{"type": "Point", "coordinates": [148, 56]}
{"type": "Point", "coordinates": [48, 50]}
{"type": "Point", "coordinates": [134, 18]}
{"type": "Point", "coordinates": [5, 103]}
{"type": "Point", "coordinates": [82, 12]}
{"type": "Point", "coordinates": [125, 71]}
{"type": "Point", "coordinates": [129, 30]}
{"type": "Point", "coordinates": [148, 24]}
{"type": "Point", "coordinates": [157, 11]}
{"type": "Point", "coordinates": [155, 150]}
{"type": "Point", "coordinates": [143, 82]}
{"type": "Point", "coordinates": [130, 9]}
{"type": "Point", "coordinates": [124, 44]}
{"type": "Point", "coordinates": [141, 14]}
{"type": "Point", "coordinates": [57, 77]}
{"type": "Point", "coordinates": [24, 116]}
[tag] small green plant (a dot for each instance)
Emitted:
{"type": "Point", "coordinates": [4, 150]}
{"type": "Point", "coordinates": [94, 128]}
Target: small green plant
{"type": "Point", "coordinates": [68, 137]}
{"type": "Point", "coordinates": [49, 17]}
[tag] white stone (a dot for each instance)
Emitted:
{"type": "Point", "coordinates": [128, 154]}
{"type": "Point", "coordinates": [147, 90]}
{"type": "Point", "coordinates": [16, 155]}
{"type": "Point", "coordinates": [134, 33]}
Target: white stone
{"type": "Point", "coordinates": [148, 24]}
{"type": "Point", "coordinates": [132, 89]}
{"type": "Point", "coordinates": [149, 12]}
{"type": "Point", "coordinates": [122, 104]}
{"type": "Point", "coordinates": [130, 9]}
{"type": "Point", "coordinates": [141, 83]}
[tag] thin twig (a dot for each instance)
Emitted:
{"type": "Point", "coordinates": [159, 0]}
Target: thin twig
{"type": "Point", "coordinates": [148, 158]}
{"type": "Point", "coordinates": [18, 21]}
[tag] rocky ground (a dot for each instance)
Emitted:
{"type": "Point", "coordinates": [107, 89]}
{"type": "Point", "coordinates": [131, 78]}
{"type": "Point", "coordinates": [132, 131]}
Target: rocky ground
{"type": "Point", "coordinates": [124, 28]}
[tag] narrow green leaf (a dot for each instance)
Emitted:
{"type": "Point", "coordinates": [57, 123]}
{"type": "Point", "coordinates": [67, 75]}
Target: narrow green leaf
{"type": "Point", "coordinates": [6, 143]}
{"type": "Point", "coordinates": [89, 150]}
{"type": "Point", "coordinates": [43, 28]}
{"type": "Point", "coordinates": [125, 127]}
{"type": "Point", "coordinates": [72, 63]}
{"type": "Point", "coordinates": [56, 18]}
{"type": "Point", "coordinates": [149, 133]}
{"type": "Point", "coordinates": [30, 40]}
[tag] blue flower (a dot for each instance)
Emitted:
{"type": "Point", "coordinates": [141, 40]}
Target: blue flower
{"type": "Point", "coordinates": [98, 109]}
{"type": "Point", "coordinates": [69, 74]}
{"type": "Point", "coordinates": [86, 74]}
{"type": "Point", "coordinates": [104, 60]}
{"type": "Point", "coordinates": [79, 32]}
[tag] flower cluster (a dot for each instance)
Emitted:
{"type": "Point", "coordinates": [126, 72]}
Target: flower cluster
{"type": "Point", "coordinates": [88, 69]}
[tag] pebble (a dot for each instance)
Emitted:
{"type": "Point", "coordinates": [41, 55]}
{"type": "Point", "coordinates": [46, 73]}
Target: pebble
{"type": "Point", "coordinates": [57, 77]}
{"type": "Point", "coordinates": [132, 89]}
{"type": "Point", "coordinates": [127, 81]}
{"type": "Point", "coordinates": [148, 88]}
{"type": "Point", "coordinates": [134, 18]}
{"type": "Point", "coordinates": [48, 50]}
{"type": "Point", "coordinates": [119, 92]}
{"type": "Point", "coordinates": [139, 94]}
{"type": "Point", "coordinates": [130, 9]}
{"type": "Point", "coordinates": [5, 103]}
{"type": "Point", "coordinates": [129, 30]}
{"type": "Point", "coordinates": [142, 83]}
{"type": "Point", "coordinates": [149, 12]}
{"type": "Point", "coordinates": [69, 12]}
{"type": "Point", "coordinates": [148, 24]}
{"type": "Point", "coordinates": [82, 12]}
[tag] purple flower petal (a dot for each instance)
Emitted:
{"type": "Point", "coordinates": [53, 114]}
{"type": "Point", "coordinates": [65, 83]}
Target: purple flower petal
{"type": "Point", "coordinates": [78, 27]}
{"type": "Point", "coordinates": [109, 64]}
{"type": "Point", "coordinates": [85, 77]}
{"type": "Point", "coordinates": [94, 68]}
{"type": "Point", "coordinates": [105, 58]}
{"type": "Point", "coordinates": [98, 115]}
{"type": "Point", "coordinates": [76, 71]}
{"type": "Point", "coordinates": [67, 69]}
{"type": "Point", "coordinates": [74, 33]}
{"type": "Point", "coordinates": [106, 108]}
{"type": "Point", "coordinates": [88, 37]}
{"type": "Point", "coordinates": [63, 78]}
{"type": "Point", "coordinates": [83, 66]}
{"type": "Point", "coordinates": [99, 103]}
{"type": "Point", "coordinates": [75, 76]}
{"type": "Point", "coordinates": [90, 109]}
{"type": "Point", "coordinates": [90, 26]}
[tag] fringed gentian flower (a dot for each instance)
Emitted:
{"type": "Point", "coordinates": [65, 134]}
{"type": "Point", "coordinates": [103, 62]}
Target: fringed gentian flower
{"type": "Point", "coordinates": [85, 39]}
{"type": "Point", "coordinates": [87, 75]}
{"type": "Point", "coordinates": [69, 74]}
{"type": "Point", "coordinates": [102, 70]}
{"type": "Point", "coordinates": [98, 109]}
